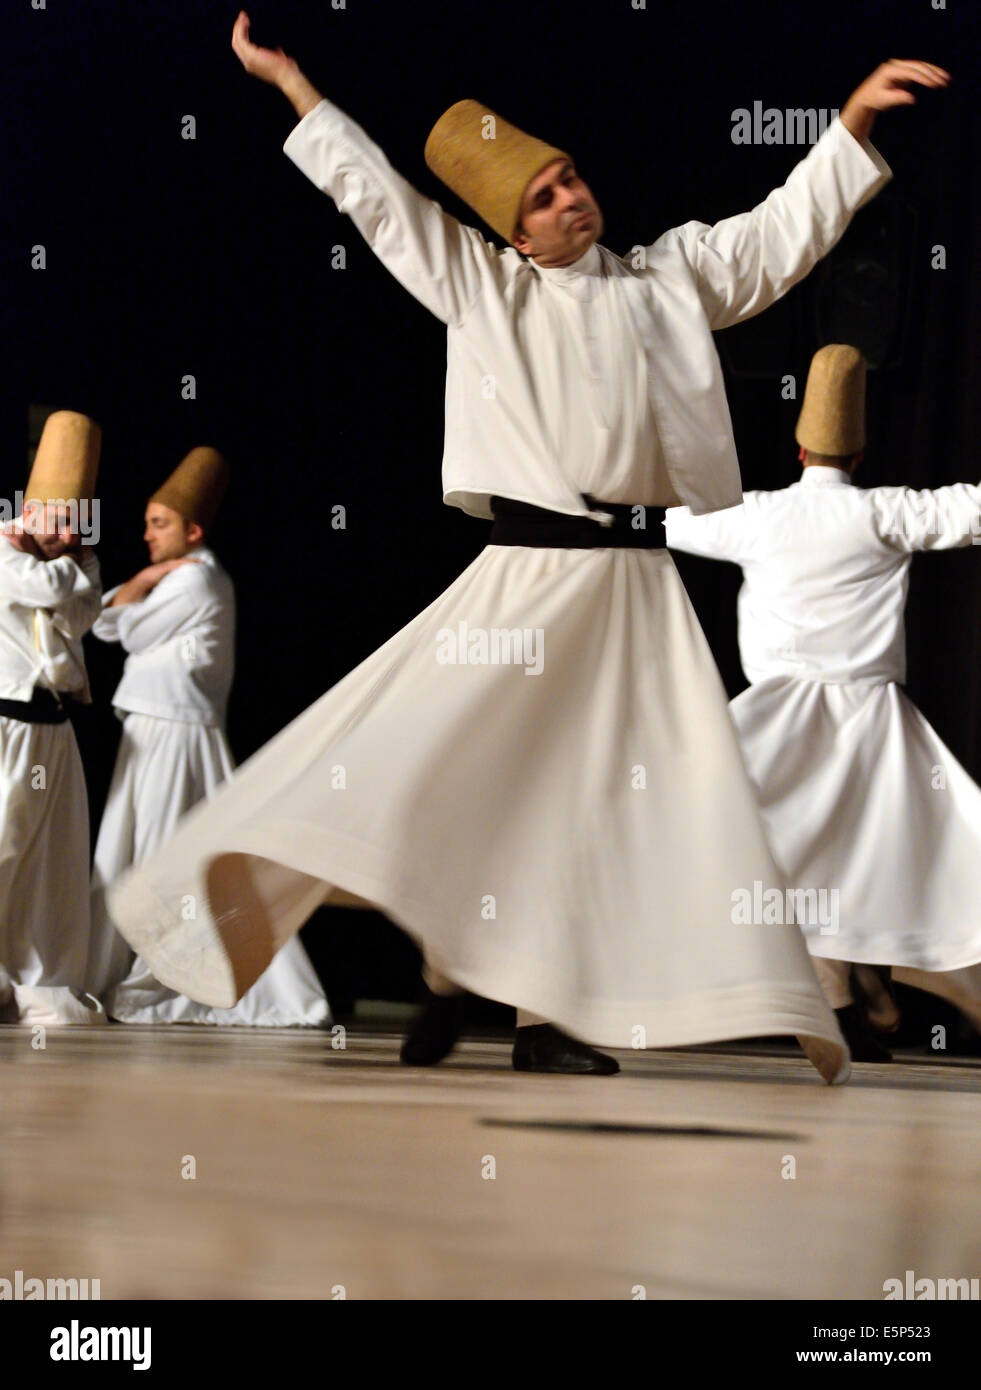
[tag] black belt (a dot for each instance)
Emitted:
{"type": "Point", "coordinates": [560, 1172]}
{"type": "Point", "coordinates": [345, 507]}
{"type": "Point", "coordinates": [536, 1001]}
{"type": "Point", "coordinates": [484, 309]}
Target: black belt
{"type": "Point", "coordinates": [634, 527]}
{"type": "Point", "coordinates": [44, 707]}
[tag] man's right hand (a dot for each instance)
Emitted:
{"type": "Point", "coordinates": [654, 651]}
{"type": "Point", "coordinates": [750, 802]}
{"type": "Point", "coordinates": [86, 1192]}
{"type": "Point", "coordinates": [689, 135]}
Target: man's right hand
{"type": "Point", "coordinates": [146, 580]}
{"type": "Point", "coordinates": [21, 541]}
{"type": "Point", "coordinates": [154, 573]}
{"type": "Point", "coordinates": [274, 66]}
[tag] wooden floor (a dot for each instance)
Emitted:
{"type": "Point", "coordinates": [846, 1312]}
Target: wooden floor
{"type": "Point", "coordinates": [320, 1169]}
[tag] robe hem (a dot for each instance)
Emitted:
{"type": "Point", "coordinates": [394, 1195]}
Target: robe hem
{"type": "Point", "coordinates": [752, 1010]}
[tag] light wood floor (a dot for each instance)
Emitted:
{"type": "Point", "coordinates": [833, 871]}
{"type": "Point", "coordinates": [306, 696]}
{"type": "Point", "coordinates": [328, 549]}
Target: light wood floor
{"type": "Point", "coordinates": [320, 1169]}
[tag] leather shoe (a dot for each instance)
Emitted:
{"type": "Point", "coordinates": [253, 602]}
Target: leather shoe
{"type": "Point", "coordinates": [862, 1042]}
{"type": "Point", "coordinates": [542, 1047]}
{"type": "Point", "coordinates": [433, 1032]}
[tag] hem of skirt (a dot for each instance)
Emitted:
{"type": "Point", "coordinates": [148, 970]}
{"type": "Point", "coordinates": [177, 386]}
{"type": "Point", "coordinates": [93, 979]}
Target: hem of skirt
{"type": "Point", "coordinates": [892, 955]}
{"type": "Point", "coordinates": [357, 867]}
{"type": "Point", "coordinates": [151, 1016]}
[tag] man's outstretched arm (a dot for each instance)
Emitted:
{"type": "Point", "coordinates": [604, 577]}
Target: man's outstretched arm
{"type": "Point", "coordinates": [942, 518]}
{"type": "Point", "coordinates": [438, 260]}
{"type": "Point", "coordinates": [745, 263]}
{"type": "Point", "coordinates": [720, 535]}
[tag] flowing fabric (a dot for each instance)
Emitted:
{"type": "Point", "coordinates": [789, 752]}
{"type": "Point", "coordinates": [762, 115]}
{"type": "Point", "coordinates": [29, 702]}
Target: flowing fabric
{"type": "Point", "coordinates": [860, 795]}
{"type": "Point", "coordinates": [165, 767]}
{"type": "Point", "coordinates": [563, 830]}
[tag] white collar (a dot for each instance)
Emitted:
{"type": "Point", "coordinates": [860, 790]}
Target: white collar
{"type": "Point", "coordinates": [581, 277]}
{"type": "Point", "coordinates": [824, 475]}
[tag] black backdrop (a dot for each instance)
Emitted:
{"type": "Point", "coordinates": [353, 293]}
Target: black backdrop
{"type": "Point", "coordinates": [168, 256]}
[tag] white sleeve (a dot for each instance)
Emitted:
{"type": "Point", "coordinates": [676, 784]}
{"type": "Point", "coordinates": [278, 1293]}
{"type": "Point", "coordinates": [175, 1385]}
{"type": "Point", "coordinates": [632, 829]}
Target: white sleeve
{"type": "Point", "coordinates": [175, 605]}
{"type": "Point", "coordinates": [37, 583]}
{"type": "Point", "coordinates": [941, 518]}
{"type": "Point", "coordinates": [722, 535]}
{"type": "Point", "coordinates": [438, 260]}
{"type": "Point", "coordinates": [75, 614]}
{"type": "Point", "coordinates": [747, 262]}
{"type": "Point", "coordinates": [106, 625]}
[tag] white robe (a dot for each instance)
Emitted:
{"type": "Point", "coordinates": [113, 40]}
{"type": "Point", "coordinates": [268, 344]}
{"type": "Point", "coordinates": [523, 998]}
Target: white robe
{"type": "Point", "coordinates": [568, 840]}
{"type": "Point", "coordinates": [859, 794]}
{"type": "Point", "coordinates": [172, 754]}
{"type": "Point", "coordinates": [505, 392]}
{"type": "Point", "coordinates": [46, 606]}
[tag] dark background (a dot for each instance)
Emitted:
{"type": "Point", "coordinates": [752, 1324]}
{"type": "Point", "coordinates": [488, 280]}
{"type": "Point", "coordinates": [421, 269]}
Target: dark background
{"type": "Point", "coordinates": [211, 256]}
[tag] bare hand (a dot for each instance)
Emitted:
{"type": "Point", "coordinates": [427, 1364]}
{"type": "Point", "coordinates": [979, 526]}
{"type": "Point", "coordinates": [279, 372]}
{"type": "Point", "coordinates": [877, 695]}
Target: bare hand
{"type": "Point", "coordinates": [268, 64]}
{"type": "Point", "coordinates": [21, 541]}
{"type": "Point", "coordinates": [146, 580]}
{"type": "Point", "coordinates": [888, 86]}
{"type": "Point", "coordinates": [153, 574]}
{"type": "Point", "coordinates": [274, 66]}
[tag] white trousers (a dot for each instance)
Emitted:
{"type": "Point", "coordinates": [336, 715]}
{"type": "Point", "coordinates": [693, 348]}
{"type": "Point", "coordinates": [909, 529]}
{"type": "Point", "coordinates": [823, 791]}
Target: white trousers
{"type": "Point", "coordinates": [44, 851]}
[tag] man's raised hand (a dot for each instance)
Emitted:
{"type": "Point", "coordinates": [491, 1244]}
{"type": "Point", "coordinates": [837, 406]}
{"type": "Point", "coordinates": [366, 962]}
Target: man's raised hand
{"type": "Point", "coordinates": [888, 86]}
{"type": "Point", "coordinates": [271, 65]}
{"type": "Point", "coordinates": [274, 66]}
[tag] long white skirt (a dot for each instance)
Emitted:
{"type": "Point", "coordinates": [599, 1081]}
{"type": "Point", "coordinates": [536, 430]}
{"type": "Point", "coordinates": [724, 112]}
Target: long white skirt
{"type": "Point", "coordinates": [568, 841]}
{"type": "Point", "coordinates": [859, 795]}
{"type": "Point", "coordinates": [164, 767]}
{"type": "Point", "coordinates": [44, 853]}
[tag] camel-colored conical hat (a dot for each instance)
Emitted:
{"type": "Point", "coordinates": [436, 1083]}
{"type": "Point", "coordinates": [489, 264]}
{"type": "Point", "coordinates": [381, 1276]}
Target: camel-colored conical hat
{"type": "Point", "coordinates": [67, 459]}
{"type": "Point", "coordinates": [196, 486]}
{"type": "Point", "coordinates": [487, 161]}
{"type": "Point", "coordinates": [832, 418]}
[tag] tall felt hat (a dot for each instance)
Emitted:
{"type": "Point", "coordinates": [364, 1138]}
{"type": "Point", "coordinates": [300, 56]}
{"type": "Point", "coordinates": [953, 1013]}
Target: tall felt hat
{"type": "Point", "coordinates": [196, 486]}
{"type": "Point", "coordinates": [67, 459]}
{"type": "Point", "coordinates": [487, 161]}
{"type": "Point", "coordinates": [832, 419]}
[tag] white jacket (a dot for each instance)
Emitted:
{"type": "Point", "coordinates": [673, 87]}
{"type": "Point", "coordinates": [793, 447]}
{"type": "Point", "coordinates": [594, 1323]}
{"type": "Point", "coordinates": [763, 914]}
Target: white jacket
{"type": "Point", "coordinates": [46, 607]}
{"type": "Point", "coordinates": [826, 568]}
{"type": "Point", "coordinates": [693, 280]}
{"type": "Point", "coordinates": [181, 644]}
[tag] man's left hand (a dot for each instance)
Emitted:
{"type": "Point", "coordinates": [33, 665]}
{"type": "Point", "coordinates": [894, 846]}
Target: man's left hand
{"type": "Point", "coordinates": [888, 86]}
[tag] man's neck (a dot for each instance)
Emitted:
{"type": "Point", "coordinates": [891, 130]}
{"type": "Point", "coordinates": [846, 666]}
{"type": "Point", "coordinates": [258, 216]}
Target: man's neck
{"type": "Point", "coordinates": [547, 264]}
{"type": "Point", "coordinates": [821, 463]}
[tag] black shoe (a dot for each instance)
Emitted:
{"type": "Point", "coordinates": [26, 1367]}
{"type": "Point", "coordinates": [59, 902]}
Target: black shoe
{"type": "Point", "coordinates": [541, 1047]}
{"type": "Point", "coordinates": [872, 990]}
{"type": "Point", "coordinates": [434, 1030]}
{"type": "Point", "coordinates": [862, 1042]}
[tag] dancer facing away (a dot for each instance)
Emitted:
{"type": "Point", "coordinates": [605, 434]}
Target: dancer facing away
{"type": "Point", "coordinates": [537, 778]}
{"type": "Point", "coordinates": [859, 795]}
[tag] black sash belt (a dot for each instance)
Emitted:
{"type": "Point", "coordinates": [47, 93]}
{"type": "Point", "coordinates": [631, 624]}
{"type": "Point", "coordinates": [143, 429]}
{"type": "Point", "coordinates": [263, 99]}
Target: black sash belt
{"type": "Point", "coordinates": [634, 527]}
{"type": "Point", "coordinates": [42, 708]}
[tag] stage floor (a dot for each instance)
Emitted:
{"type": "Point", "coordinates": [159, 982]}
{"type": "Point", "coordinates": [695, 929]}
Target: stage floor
{"type": "Point", "coordinates": [321, 1172]}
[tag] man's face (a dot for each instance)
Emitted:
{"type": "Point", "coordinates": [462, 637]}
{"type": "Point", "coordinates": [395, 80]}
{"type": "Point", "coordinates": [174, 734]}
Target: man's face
{"type": "Point", "coordinates": [168, 536]}
{"type": "Point", "coordinates": [559, 218]}
{"type": "Point", "coordinates": [50, 527]}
